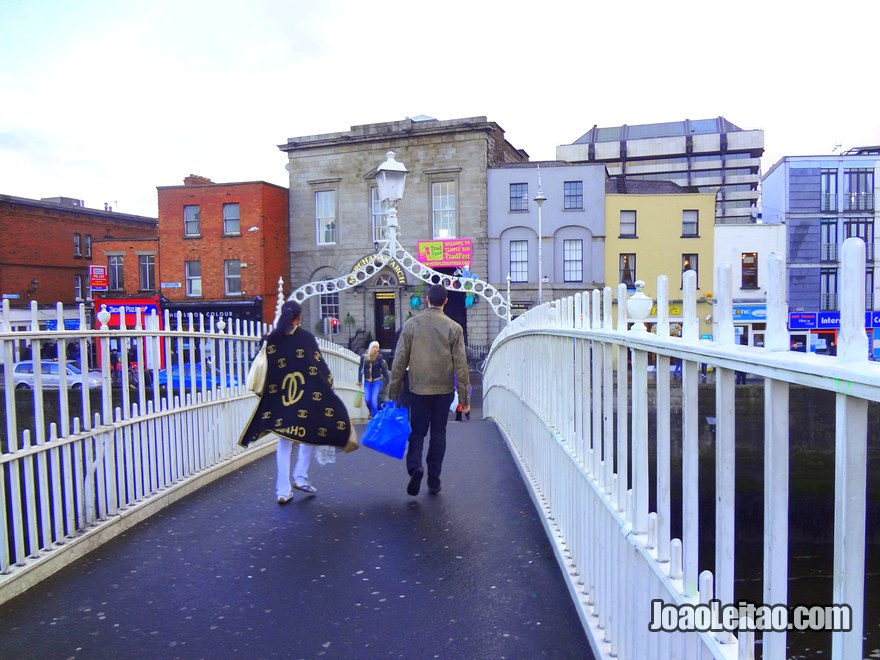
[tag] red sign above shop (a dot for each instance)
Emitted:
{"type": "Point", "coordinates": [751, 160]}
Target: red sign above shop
{"type": "Point", "coordinates": [446, 252]}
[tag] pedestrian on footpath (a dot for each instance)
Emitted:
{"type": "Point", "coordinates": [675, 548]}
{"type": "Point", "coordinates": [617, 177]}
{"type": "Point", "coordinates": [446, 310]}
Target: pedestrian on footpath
{"type": "Point", "coordinates": [298, 403]}
{"type": "Point", "coordinates": [431, 346]}
{"type": "Point", "coordinates": [371, 371]}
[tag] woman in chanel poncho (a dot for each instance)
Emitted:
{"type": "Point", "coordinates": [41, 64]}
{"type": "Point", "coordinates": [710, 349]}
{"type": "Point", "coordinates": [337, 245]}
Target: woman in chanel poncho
{"type": "Point", "coordinates": [298, 403]}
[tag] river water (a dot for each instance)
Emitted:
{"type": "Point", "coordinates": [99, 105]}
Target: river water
{"type": "Point", "coordinates": [811, 517]}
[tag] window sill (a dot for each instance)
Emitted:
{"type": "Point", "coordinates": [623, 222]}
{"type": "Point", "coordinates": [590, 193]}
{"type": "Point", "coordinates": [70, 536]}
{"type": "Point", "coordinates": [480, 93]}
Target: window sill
{"type": "Point", "coordinates": [325, 244]}
{"type": "Point", "coordinates": [581, 208]}
{"type": "Point", "coordinates": [690, 235]}
{"type": "Point", "coordinates": [750, 288]}
{"type": "Point", "coordinates": [236, 235]}
{"type": "Point", "coordinates": [191, 236]}
{"type": "Point", "coordinates": [627, 236]}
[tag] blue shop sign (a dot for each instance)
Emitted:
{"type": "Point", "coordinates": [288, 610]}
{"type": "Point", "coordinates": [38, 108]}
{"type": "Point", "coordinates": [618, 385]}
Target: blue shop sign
{"type": "Point", "coordinates": [827, 320]}
{"type": "Point", "coordinates": [69, 324]}
{"type": "Point", "coordinates": [802, 320]}
{"type": "Point", "coordinates": [752, 313]}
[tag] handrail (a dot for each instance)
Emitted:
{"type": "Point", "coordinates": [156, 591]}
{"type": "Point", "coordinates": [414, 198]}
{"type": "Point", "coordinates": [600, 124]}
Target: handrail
{"type": "Point", "coordinates": [572, 414]}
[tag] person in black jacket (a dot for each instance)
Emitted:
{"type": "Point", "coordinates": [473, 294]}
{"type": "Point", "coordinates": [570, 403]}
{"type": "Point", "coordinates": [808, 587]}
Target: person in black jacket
{"type": "Point", "coordinates": [371, 371]}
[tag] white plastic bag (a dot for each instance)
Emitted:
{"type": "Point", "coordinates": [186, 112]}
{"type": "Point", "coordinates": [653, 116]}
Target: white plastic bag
{"type": "Point", "coordinates": [256, 377]}
{"type": "Point", "coordinates": [454, 404]}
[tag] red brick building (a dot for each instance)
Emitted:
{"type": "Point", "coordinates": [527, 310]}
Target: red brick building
{"type": "Point", "coordinates": [49, 244]}
{"type": "Point", "coordinates": [223, 246]}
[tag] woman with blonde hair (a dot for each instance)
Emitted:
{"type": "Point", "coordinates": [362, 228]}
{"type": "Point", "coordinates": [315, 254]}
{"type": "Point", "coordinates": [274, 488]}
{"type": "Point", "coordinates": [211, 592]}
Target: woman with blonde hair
{"type": "Point", "coordinates": [371, 371]}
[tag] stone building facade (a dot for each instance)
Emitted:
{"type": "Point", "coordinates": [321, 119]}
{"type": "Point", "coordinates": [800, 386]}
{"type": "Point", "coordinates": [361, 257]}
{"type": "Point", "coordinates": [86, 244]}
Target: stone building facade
{"type": "Point", "coordinates": [336, 220]}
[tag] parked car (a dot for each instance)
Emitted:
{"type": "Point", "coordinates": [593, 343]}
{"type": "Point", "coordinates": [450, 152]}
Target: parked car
{"type": "Point", "coordinates": [24, 378]}
{"type": "Point", "coordinates": [193, 377]}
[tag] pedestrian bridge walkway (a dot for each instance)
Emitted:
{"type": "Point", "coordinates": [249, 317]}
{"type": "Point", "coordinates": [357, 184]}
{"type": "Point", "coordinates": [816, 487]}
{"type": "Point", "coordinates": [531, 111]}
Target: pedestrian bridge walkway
{"type": "Point", "coordinates": [360, 570]}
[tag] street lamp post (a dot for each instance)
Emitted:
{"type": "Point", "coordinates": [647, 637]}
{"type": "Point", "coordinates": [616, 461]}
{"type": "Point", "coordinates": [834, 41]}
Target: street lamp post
{"type": "Point", "coordinates": [391, 181]}
{"type": "Point", "coordinates": [539, 198]}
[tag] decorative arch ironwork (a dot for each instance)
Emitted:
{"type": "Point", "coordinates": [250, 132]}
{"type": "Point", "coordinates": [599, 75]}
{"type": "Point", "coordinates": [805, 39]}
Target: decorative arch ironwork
{"type": "Point", "coordinates": [390, 251]}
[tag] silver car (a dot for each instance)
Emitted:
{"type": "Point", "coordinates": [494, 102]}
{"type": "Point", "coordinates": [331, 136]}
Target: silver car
{"type": "Point", "coordinates": [24, 377]}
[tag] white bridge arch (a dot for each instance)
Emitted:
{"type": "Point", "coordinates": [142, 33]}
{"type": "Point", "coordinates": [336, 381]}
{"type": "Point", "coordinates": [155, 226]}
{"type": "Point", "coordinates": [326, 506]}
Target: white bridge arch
{"type": "Point", "coordinates": [392, 251]}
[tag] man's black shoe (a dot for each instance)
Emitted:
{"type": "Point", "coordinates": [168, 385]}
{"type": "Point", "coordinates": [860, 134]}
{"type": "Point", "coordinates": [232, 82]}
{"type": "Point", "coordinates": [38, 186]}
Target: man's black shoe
{"type": "Point", "coordinates": [433, 490]}
{"type": "Point", "coordinates": [415, 482]}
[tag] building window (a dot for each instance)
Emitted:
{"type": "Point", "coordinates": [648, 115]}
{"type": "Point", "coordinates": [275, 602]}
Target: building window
{"type": "Point", "coordinates": [573, 260]}
{"type": "Point", "coordinates": [77, 287]}
{"type": "Point", "coordinates": [147, 271]}
{"type": "Point", "coordinates": [828, 239]}
{"type": "Point", "coordinates": [115, 273]}
{"type": "Point", "coordinates": [864, 229]}
{"type": "Point", "coordinates": [191, 222]}
{"type": "Point", "coordinates": [519, 197]}
{"type": "Point", "coordinates": [232, 276]}
{"type": "Point", "coordinates": [325, 216]}
{"type": "Point", "coordinates": [828, 200]}
{"type": "Point", "coordinates": [443, 209]}
{"type": "Point", "coordinates": [77, 245]}
{"type": "Point", "coordinates": [379, 214]}
{"type": "Point", "coordinates": [628, 224]}
{"type": "Point", "coordinates": [628, 270]}
{"type": "Point", "coordinates": [573, 195]}
{"type": "Point", "coordinates": [330, 310]}
{"type": "Point", "coordinates": [231, 220]}
{"type": "Point", "coordinates": [193, 274]}
{"type": "Point", "coordinates": [519, 261]}
{"type": "Point", "coordinates": [869, 289]}
{"type": "Point", "coordinates": [749, 277]}
{"type": "Point", "coordinates": [859, 190]}
{"type": "Point", "coordinates": [690, 223]}
{"type": "Point", "coordinates": [690, 262]}
{"type": "Point", "coordinates": [828, 289]}
{"type": "Point", "coordinates": [87, 246]}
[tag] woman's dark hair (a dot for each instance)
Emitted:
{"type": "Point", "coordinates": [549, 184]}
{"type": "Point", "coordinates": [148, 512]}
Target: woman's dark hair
{"type": "Point", "coordinates": [290, 312]}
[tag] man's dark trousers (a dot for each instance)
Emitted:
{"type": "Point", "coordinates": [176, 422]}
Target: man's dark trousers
{"type": "Point", "coordinates": [428, 410]}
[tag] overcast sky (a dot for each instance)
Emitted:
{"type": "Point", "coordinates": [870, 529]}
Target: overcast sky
{"type": "Point", "coordinates": [104, 100]}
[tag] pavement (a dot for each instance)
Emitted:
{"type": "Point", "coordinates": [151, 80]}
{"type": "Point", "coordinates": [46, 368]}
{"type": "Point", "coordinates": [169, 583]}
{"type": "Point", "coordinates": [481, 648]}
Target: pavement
{"type": "Point", "coordinates": [359, 570]}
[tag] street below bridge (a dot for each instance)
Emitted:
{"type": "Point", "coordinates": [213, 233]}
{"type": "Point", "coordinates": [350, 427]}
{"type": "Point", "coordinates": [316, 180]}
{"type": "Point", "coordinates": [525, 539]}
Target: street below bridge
{"type": "Point", "coordinates": [359, 570]}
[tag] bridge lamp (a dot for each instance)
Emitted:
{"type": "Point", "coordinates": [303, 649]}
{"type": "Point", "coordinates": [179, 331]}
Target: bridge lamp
{"type": "Point", "coordinates": [391, 179]}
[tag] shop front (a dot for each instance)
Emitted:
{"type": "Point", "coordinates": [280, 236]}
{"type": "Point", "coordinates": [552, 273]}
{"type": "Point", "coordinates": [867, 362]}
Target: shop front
{"type": "Point", "coordinates": [233, 313]}
{"type": "Point", "coordinates": [816, 332]}
{"type": "Point", "coordinates": [127, 312]}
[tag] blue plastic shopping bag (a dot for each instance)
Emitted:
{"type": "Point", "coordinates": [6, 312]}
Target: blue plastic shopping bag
{"type": "Point", "coordinates": [388, 431]}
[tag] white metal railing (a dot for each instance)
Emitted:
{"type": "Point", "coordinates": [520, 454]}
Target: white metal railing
{"type": "Point", "coordinates": [828, 251]}
{"type": "Point", "coordinates": [76, 460]}
{"type": "Point", "coordinates": [828, 202]}
{"type": "Point", "coordinates": [859, 201]}
{"type": "Point", "coordinates": [557, 384]}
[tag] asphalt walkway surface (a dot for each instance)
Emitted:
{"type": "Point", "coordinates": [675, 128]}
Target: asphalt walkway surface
{"type": "Point", "coordinates": [359, 570]}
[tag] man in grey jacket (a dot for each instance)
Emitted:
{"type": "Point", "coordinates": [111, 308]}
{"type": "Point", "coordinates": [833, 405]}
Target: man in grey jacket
{"type": "Point", "coordinates": [432, 346]}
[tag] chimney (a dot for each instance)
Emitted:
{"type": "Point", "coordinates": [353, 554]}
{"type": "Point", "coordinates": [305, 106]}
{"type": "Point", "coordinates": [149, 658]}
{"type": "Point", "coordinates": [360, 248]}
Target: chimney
{"type": "Point", "coordinates": [196, 180]}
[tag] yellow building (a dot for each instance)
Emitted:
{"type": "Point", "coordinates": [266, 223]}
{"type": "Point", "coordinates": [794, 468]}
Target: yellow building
{"type": "Point", "coordinates": [657, 228]}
